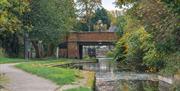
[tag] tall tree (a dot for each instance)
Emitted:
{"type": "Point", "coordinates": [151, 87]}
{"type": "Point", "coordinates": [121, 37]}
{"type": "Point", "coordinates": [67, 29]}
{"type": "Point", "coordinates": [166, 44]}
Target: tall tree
{"type": "Point", "coordinates": [121, 23]}
{"type": "Point", "coordinates": [161, 42]}
{"type": "Point", "coordinates": [51, 20]}
{"type": "Point", "coordinates": [86, 9]}
{"type": "Point", "coordinates": [11, 22]}
{"type": "Point", "coordinates": [101, 15]}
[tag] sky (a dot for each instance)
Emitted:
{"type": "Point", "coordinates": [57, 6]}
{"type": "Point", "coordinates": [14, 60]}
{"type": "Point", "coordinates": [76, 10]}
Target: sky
{"type": "Point", "coordinates": [108, 4]}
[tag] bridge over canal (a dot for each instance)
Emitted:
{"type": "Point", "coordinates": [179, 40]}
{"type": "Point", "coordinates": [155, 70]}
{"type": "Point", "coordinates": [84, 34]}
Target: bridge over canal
{"type": "Point", "coordinates": [72, 47]}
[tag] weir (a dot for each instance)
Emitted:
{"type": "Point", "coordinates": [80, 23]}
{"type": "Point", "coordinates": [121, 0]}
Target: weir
{"type": "Point", "coordinates": [125, 76]}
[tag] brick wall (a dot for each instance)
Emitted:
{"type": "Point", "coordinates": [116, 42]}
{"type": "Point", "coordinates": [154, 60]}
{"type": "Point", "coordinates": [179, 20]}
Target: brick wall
{"type": "Point", "coordinates": [75, 37]}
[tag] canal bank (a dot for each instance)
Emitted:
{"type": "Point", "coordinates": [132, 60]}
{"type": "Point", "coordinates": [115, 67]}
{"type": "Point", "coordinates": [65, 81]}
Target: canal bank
{"type": "Point", "coordinates": [110, 78]}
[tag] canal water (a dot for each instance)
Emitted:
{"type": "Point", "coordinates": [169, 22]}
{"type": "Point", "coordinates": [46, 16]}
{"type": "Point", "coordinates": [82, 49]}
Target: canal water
{"type": "Point", "coordinates": [109, 77]}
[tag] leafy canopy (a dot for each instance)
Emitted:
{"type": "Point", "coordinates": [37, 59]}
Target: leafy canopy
{"type": "Point", "coordinates": [51, 19]}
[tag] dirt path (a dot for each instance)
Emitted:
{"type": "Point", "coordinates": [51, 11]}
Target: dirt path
{"type": "Point", "coordinates": [22, 81]}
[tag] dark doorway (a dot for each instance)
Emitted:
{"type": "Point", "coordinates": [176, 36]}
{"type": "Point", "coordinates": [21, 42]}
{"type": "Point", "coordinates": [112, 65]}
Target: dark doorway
{"type": "Point", "coordinates": [80, 51]}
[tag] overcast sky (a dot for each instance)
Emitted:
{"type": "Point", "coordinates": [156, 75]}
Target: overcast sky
{"type": "Point", "coordinates": [108, 4]}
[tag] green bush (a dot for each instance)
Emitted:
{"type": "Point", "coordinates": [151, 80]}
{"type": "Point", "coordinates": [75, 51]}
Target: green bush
{"type": "Point", "coordinates": [2, 52]}
{"type": "Point", "coordinates": [172, 64]}
{"type": "Point", "coordinates": [110, 54]}
{"type": "Point", "coordinates": [86, 57]}
{"type": "Point", "coordinates": [133, 46]}
{"type": "Point", "coordinates": [150, 35]}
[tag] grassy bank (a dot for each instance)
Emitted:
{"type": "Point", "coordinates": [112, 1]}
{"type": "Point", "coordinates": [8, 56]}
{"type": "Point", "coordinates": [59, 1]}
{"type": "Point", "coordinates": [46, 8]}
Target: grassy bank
{"type": "Point", "coordinates": [10, 60]}
{"type": "Point", "coordinates": [61, 76]}
{"type": "Point", "coordinates": [79, 89]}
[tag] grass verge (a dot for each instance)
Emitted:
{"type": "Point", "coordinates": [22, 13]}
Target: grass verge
{"type": "Point", "coordinates": [10, 60]}
{"type": "Point", "coordinates": [90, 79]}
{"type": "Point", "coordinates": [60, 76]}
{"type": "Point", "coordinates": [79, 89]}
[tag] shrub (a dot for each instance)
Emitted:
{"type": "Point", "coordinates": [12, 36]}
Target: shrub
{"type": "Point", "coordinates": [86, 57]}
{"type": "Point", "coordinates": [2, 52]}
{"type": "Point", "coordinates": [110, 54]}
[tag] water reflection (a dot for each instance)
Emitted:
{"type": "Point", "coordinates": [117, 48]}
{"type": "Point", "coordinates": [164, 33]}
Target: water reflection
{"type": "Point", "coordinates": [111, 78]}
{"type": "Point", "coordinates": [103, 65]}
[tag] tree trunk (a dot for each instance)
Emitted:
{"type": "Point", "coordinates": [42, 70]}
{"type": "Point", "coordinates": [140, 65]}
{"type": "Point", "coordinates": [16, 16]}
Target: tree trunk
{"type": "Point", "coordinates": [26, 45]}
{"type": "Point", "coordinates": [51, 50]}
{"type": "Point", "coordinates": [36, 47]}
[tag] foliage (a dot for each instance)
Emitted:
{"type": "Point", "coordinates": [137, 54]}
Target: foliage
{"type": "Point", "coordinates": [79, 89]}
{"type": "Point", "coordinates": [87, 7]}
{"type": "Point", "coordinates": [148, 87]}
{"type": "Point", "coordinates": [172, 64]}
{"type": "Point", "coordinates": [121, 22]}
{"type": "Point", "coordinates": [80, 25]}
{"type": "Point", "coordinates": [60, 76]}
{"type": "Point", "coordinates": [133, 46]}
{"type": "Point", "coordinates": [122, 46]}
{"type": "Point", "coordinates": [112, 17]}
{"type": "Point", "coordinates": [11, 12]}
{"type": "Point", "coordinates": [151, 35]}
{"type": "Point", "coordinates": [173, 4]}
{"type": "Point", "coordinates": [85, 12]}
{"type": "Point", "coordinates": [162, 24]}
{"type": "Point", "coordinates": [86, 57]}
{"type": "Point", "coordinates": [2, 52]}
{"type": "Point", "coordinates": [51, 19]}
{"type": "Point", "coordinates": [12, 23]}
{"type": "Point", "coordinates": [101, 15]}
{"type": "Point", "coordinates": [110, 54]}
{"type": "Point", "coordinates": [121, 3]}
{"type": "Point", "coordinates": [134, 42]}
{"type": "Point", "coordinates": [159, 22]}
{"type": "Point", "coordinates": [91, 79]}
{"type": "Point", "coordinates": [98, 21]}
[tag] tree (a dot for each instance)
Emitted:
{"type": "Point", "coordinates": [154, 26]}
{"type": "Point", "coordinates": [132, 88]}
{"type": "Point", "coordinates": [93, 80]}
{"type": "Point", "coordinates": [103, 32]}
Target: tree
{"type": "Point", "coordinates": [11, 22]}
{"type": "Point", "coordinates": [86, 9]}
{"type": "Point", "coordinates": [11, 14]}
{"type": "Point", "coordinates": [126, 3]}
{"type": "Point", "coordinates": [159, 22]}
{"type": "Point", "coordinates": [173, 5]}
{"type": "Point", "coordinates": [121, 22]}
{"type": "Point", "coordinates": [51, 20]}
{"type": "Point", "coordinates": [101, 15]}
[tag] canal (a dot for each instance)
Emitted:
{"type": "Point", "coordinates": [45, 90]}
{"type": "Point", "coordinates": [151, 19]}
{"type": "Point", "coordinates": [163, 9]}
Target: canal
{"type": "Point", "coordinates": [109, 77]}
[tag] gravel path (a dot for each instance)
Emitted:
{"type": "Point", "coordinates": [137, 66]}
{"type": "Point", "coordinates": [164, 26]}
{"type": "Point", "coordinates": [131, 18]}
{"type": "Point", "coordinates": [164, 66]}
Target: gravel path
{"type": "Point", "coordinates": [22, 81]}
